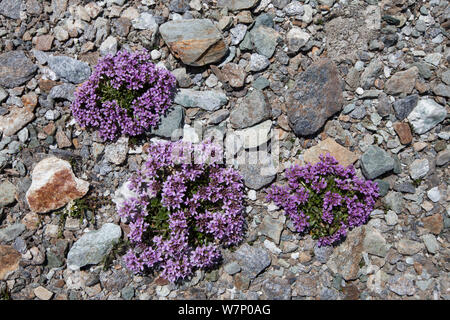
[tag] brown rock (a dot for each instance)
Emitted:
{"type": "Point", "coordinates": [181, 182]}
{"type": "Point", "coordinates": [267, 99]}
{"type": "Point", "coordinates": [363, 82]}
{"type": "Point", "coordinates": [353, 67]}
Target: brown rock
{"type": "Point", "coordinates": [50, 129]}
{"type": "Point", "coordinates": [233, 74]}
{"type": "Point", "coordinates": [434, 223]}
{"type": "Point", "coordinates": [351, 292]}
{"type": "Point", "coordinates": [31, 221]}
{"type": "Point", "coordinates": [9, 261]}
{"type": "Point", "coordinates": [329, 145]}
{"type": "Point", "coordinates": [43, 43]}
{"type": "Point", "coordinates": [30, 100]}
{"type": "Point", "coordinates": [54, 185]}
{"type": "Point", "coordinates": [196, 42]}
{"type": "Point", "coordinates": [404, 132]}
{"type": "Point", "coordinates": [62, 140]}
{"type": "Point", "coordinates": [402, 81]}
{"type": "Point", "coordinates": [47, 85]}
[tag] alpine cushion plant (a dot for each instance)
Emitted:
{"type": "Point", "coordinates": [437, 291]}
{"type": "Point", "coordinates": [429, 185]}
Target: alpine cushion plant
{"type": "Point", "coordinates": [325, 199]}
{"type": "Point", "coordinates": [182, 211]}
{"type": "Point", "coordinates": [126, 94]}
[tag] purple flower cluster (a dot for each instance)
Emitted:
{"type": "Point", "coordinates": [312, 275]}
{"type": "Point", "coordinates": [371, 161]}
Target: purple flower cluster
{"type": "Point", "coordinates": [126, 94]}
{"type": "Point", "coordinates": [325, 199]}
{"type": "Point", "coordinates": [185, 206]}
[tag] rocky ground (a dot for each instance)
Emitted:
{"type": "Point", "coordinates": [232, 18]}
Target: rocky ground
{"type": "Point", "coordinates": [367, 81]}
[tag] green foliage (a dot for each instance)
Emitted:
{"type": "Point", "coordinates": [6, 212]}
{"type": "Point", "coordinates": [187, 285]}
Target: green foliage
{"type": "Point", "coordinates": [314, 208]}
{"type": "Point", "coordinates": [4, 293]}
{"type": "Point", "coordinates": [117, 250]}
{"type": "Point", "coordinates": [158, 215]}
{"type": "Point", "coordinates": [124, 97]}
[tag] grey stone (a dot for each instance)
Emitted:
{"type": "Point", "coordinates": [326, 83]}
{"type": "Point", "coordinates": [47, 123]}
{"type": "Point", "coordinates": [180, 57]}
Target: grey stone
{"type": "Point", "coordinates": [375, 162]}
{"type": "Point", "coordinates": [264, 40]}
{"type": "Point", "coordinates": [409, 247]}
{"type": "Point", "coordinates": [315, 97]}
{"type": "Point", "coordinates": [276, 289]}
{"type": "Point", "coordinates": [7, 193]}
{"type": "Point", "coordinates": [145, 21]}
{"type": "Point", "coordinates": [235, 5]}
{"type": "Point", "coordinates": [306, 285]}
{"type": "Point", "coordinates": [252, 110]}
{"type": "Point", "coordinates": [443, 158]}
{"type": "Point", "coordinates": [15, 69]}
{"type": "Point", "coordinates": [93, 246]}
{"type": "Point", "coordinates": [401, 285]}
{"type": "Point", "coordinates": [170, 122]}
{"type": "Point", "coordinates": [64, 91]}
{"type": "Point", "coordinates": [109, 46]}
{"type": "Point", "coordinates": [272, 228]}
{"type": "Point", "coordinates": [394, 200]}
{"type": "Point", "coordinates": [117, 152]}
{"type": "Point", "coordinates": [232, 268]}
{"type": "Point", "coordinates": [442, 90]}
{"type": "Point", "coordinates": [426, 115]}
{"type": "Point", "coordinates": [11, 232]}
{"type": "Point", "coordinates": [374, 242]}
{"type": "Point", "coordinates": [405, 187]}
{"type": "Point", "coordinates": [430, 243]}
{"type": "Point", "coordinates": [252, 259]}
{"type": "Point", "coordinates": [419, 168]}
{"type": "Point", "coordinates": [70, 69]}
{"type": "Point", "coordinates": [296, 39]}
{"type": "Point", "coordinates": [206, 100]}
{"type": "Point", "coordinates": [294, 8]}
{"type": "Point", "coordinates": [403, 107]}
{"type": "Point", "coordinates": [179, 6]}
{"type": "Point", "coordinates": [238, 33]}
{"type": "Point", "coordinates": [322, 254]}
{"type": "Point", "coordinates": [261, 83]}
{"type": "Point", "coordinates": [257, 176]}
{"type": "Point", "coordinates": [258, 62]}
{"type": "Point", "coordinates": [127, 293]}
{"type": "Point", "coordinates": [434, 194]}
{"type": "Point", "coordinates": [11, 8]}
{"type": "Point", "coordinates": [369, 75]}
{"type": "Point", "coordinates": [383, 187]}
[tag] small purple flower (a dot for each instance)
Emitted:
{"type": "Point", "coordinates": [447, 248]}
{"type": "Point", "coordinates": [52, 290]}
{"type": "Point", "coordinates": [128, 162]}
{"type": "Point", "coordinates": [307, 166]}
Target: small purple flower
{"type": "Point", "coordinates": [124, 78]}
{"type": "Point", "coordinates": [325, 199]}
{"type": "Point", "coordinates": [184, 211]}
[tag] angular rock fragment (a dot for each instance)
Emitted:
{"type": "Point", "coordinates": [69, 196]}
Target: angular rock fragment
{"type": "Point", "coordinates": [54, 185]}
{"type": "Point", "coordinates": [316, 96]}
{"type": "Point", "coordinates": [196, 42]}
{"type": "Point", "coordinates": [15, 69]}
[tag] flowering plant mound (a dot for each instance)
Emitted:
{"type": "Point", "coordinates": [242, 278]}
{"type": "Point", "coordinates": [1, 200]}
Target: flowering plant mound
{"type": "Point", "coordinates": [325, 199]}
{"type": "Point", "coordinates": [125, 94]}
{"type": "Point", "coordinates": [183, 210]}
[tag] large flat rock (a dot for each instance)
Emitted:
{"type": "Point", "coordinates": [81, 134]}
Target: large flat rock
{"type": "Point", "coordinates": [315, 97]}
{"type": "Point", "coordinates": [196, 42]}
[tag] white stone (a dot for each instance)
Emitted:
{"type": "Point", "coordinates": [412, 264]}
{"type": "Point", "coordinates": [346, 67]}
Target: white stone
{"type": "Point", "coordinates": [252, 195]}
{"type": "Point", "coordinates": [272, 247]}
{"type": "Point", "coordinates": [426, 115]}
{"type": "Point", "coordinates": [434, 194]}
{"type": "Point", "coordinates": [109, 46]}
{"type": "Point", "coordinates": [391, 218]}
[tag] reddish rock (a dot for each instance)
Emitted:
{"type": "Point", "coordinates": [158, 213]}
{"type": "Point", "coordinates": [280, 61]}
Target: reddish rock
{"type": "Point", "coordinates": [54, 185]}
{"type": "Point", "coordinates": [341, 154]}
{"type": "Point", "coordinates": [30, 100]}
{"type": "Point", "coordinates": [433, 223]}
{"type": "Point", "coordinates": [402, 81]}
{"type": "Point", "coordinates": [404, 132]}
{"type": "Point", "coordinates": [43, 43]}
{"type": "Point", "coordinates": [234, 75]}
{"type": "Point", "coordinates": [9, 261]}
